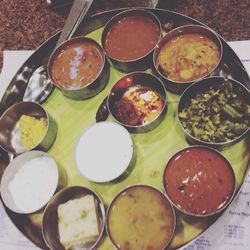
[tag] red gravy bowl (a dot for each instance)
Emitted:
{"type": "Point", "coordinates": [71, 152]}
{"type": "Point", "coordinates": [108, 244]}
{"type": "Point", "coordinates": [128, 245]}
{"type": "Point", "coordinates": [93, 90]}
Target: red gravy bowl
{"type": "Point", "coordinates": [199, 181]}
{"type": "Point", "coordinates": [131, 36]}
{"type": "Point", "coordinates": [75, 67]}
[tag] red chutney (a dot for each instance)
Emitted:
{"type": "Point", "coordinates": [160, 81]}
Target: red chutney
{"type": "Point", "coordinates": [199, 181]}
{"type": "Point", "coordinates": [139, 106]}
{"type": "Point", "coordinates": [76, 65]}
{"type": "Point", "coordinates": [131, 38]}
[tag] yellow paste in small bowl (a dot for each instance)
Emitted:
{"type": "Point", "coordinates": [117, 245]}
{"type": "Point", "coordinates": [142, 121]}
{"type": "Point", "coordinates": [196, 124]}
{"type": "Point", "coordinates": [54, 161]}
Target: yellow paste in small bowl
{"type": "Point", "coordinates": [32, 130]}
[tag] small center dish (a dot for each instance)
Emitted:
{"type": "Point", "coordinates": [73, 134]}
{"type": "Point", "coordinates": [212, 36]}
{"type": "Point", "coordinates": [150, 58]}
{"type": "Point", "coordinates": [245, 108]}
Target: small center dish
{"type": "Point", "coordinates": [138, 101]}
{"type": "Point", "coordinates": [104, 152]}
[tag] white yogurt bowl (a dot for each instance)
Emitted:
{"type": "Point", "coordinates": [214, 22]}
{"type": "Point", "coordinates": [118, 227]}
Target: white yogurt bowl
{"type": "Point", "coordinates": [29, 182]}
{"type": "Point", "coordinates": [104, 152]}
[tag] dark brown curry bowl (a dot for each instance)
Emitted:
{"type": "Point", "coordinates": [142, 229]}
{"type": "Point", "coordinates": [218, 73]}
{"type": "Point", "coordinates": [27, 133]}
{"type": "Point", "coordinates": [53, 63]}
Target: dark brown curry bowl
{"type": "Point", "coordinates": [199, 181]}
{"type": "Point", "coordinates": [69, 207]}
{"type": "Point", "coordinates": [215, 112]}
{"type": "Point", "coordinates": [185, 55]}
{"type": "Point", "coordinates": [16, 124]}
{"type": "Point", "coordinates": [138, 101]}
{"type": "Point", "coordinates": [129, 39]}
{"type": "Point", "coordinates": [140, 217]}
{"type": "Point", "coordinates": [79, 68]}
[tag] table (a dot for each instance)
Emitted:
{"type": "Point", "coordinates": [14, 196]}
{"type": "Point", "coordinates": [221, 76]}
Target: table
{"type": "Point", "coordinates": [25, 24]}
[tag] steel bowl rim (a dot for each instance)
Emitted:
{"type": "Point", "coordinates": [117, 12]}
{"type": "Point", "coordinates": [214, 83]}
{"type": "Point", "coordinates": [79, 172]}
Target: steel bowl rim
{"type": "Point", "coordinates": [116, 16]}
{"type": "Point", "coordinates": [23, 155]}
{"type": "Point", "coordinates": [62, 46]}
{"type": "Point", "coordinates": [40, 107]}
{"type": "Point", "coordinates": [135, 186]}
{"type": "Point", "coordinates": [83, 188]}
{"type": "Point", "coordinates": [211, 144]}
{"type": "Point", "coordinates": [162, 42]}
{"type": "Point", "coordinates": [142, 125]}
{"type": "Point", "coordinates": [229, 167]}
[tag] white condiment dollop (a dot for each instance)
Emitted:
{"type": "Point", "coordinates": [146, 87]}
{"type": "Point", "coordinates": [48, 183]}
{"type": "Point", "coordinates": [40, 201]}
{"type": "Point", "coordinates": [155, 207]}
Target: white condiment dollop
{"type": "Point", "coordinates": [104, 152]}
{"type": "Point", "coordinates": [34, 184]}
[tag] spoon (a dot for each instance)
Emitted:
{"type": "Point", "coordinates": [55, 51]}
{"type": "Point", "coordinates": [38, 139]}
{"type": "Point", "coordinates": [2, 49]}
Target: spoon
{"type": "Point", "coordinates": [39, 85]}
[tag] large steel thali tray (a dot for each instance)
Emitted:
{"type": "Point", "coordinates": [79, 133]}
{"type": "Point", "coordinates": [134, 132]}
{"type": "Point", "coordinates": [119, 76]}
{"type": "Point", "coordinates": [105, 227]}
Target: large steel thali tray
{"type": "Point", "coordinates": [153, 148]}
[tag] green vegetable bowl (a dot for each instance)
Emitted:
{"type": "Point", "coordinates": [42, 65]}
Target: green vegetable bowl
{"type": "Point", "coordinates": [215, 112]}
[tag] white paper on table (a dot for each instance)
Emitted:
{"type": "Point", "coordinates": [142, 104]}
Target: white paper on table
{"type": "Point", "coordinates": [230, 232]}
{"type": "Point", "coordinates": [10, 237]}
{"type": "Point", "coordinates": [12, 61]}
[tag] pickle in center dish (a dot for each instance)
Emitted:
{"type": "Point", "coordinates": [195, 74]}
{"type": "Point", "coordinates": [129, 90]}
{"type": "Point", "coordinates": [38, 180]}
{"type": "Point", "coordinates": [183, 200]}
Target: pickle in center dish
{"type": "Point", "coordinates": [138, 101]}
{"type": "Point", "coordinates": [139, 106]}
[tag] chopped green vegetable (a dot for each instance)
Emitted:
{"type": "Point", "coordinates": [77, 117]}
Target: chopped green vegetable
{"type": "Point", "coordinates": [84, 214]}
{"type": "Point", "coordinates": [232, 112]}
{"type": "Point", "coordinates": [219, 114]}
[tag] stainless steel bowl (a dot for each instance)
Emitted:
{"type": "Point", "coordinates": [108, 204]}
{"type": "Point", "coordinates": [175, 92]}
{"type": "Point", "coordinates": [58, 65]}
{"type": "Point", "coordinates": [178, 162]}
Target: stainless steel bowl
{"type": "Point", "coordinates": [10, 190]}
{"type": "Point", "coordinates": [132, 80]}
{"type": "Point", "coordinates": [199, 177]}
{"type": "Point", "coordinates": [142, 62]}
{"type": "Point", "coordinates": [10, 129]}
{"type": "Point", "coordinates": [96, 148]}
{"type": "Point", "coordinates": [200, 87]}
{"type": "Point", "coordinates": [92, 88]}
{"type": "Point", "coordinates": [134, 216]}
{"type": "Point", "coordinates": [177, 86]}
{"type": "Point", "coordinates": [50, 218]}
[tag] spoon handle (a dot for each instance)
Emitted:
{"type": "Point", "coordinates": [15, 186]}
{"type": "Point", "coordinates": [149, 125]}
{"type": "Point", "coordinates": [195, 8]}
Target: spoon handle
{"type": "Point", "coordinates": [76, 14]}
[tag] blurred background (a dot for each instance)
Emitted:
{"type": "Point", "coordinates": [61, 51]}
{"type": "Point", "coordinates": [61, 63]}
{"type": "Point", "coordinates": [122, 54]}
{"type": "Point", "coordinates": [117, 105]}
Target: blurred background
{"type": "Point", "coordinates": [25, 24]}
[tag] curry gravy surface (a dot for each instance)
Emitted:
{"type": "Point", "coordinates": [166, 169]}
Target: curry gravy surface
{"type": "Point", "coordinates": [199, 181]}
{"type": "Point", "coordinates": [76, 65]}
{"type": "Point", "coordinates": [132, 37]}
{"type": "Point", "coordinates": [188, 57]}
{"type": "Point", "coordinates": [141, 218]}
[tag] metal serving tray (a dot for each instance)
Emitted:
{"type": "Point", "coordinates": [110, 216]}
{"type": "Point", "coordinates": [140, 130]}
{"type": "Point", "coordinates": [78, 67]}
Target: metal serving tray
{"type": "Point", "coordinates": [154, 148]}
